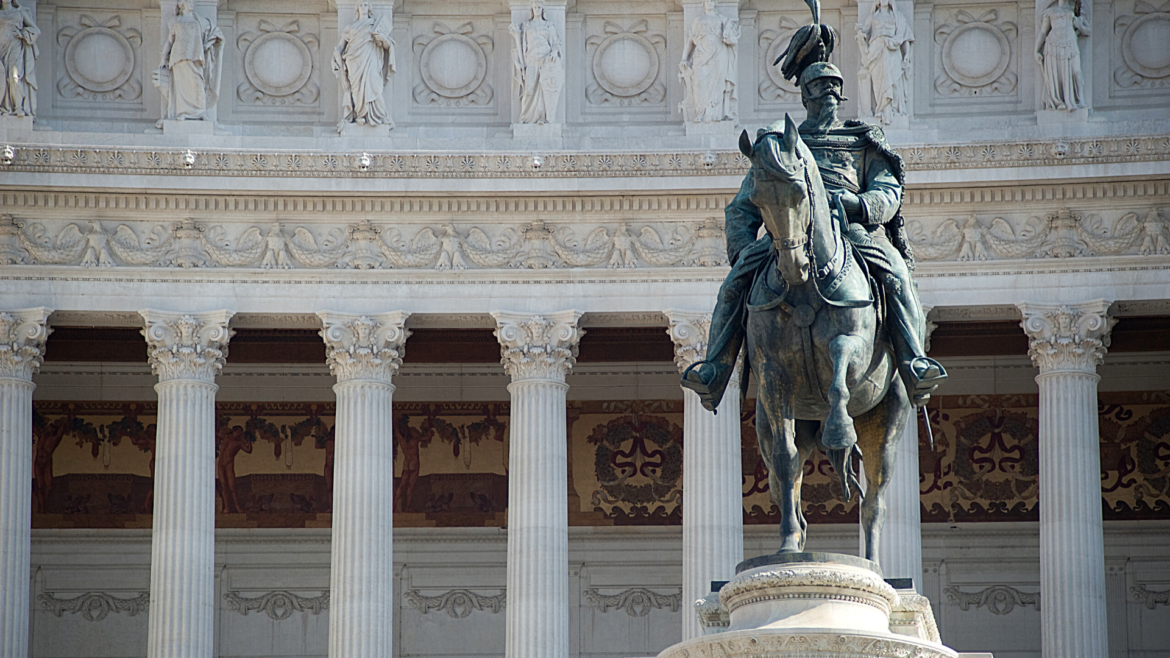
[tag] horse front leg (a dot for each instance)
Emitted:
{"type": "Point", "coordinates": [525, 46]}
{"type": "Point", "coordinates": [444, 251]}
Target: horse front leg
{"type": "Point", "coordinates": [839, 436]}
{"type": "Point", "coordinates": [776, 430]}
{"type": "Point", "coordinates": [885, 425]}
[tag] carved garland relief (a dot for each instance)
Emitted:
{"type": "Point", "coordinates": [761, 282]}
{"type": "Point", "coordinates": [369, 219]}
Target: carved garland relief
{"type": "Point", "coordinates": [975, 54]}
{"type": "Point", "coordinates": [453, 66]}
{"type": "Point", "coordinates": [625, 64]}
{"type": "Point", "coordinates": [278, 65]}
{"type": "Point", "coordinates": [100, 60]}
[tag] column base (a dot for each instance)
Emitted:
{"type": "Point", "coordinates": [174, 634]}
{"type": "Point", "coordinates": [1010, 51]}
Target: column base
{"type": "Point", "coordinates": [814, 604]}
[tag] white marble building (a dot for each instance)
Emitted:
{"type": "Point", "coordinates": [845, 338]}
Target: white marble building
{"type": "Point", "coordinates": [461, 255]}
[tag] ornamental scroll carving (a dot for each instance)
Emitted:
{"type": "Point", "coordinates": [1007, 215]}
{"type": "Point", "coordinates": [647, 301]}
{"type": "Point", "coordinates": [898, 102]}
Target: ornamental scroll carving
{"type": "Point", "coordinates": [95, 606]}
{"type": "Point", "coordinates": [538, 347]}
{"type": "Point", "coordinates": [457, 603]}
{"type": "Point", "coordinates": [187, 346]}
{"type": "Point", "coordinates": [1150, 598]}
{"type": "Point", "coordinates": [535, 245]}
{"type": "Point", "coordinates": [1068, 336]}
{"type": "Point", "coordinates": [278, 605]}
{"type": "Point", "coordinates": [998, 599]}
{"type": "Point", "coordinates": [100, 58]}
{"type": "Point", "coordinates": [1061, 234]}
{"type": "Point", "coordinates": [22, 342]}
{"type": "Point", "coordinates": [635, 602]}
{"type": "Point", "coordinates": [278, 65]}
{"type": "Point", "coordinates": [976, 55]}
{"type": "Point", "coordinates": [453, 66]}
{"type": "Point", "coordinates": [688, 331]}
{"type": "Point", "coordinates": [363, 346]}
{"type": "Point", "coordinates": [1142, 37]}
{"type": "Point", "coordinates": [626, 63]}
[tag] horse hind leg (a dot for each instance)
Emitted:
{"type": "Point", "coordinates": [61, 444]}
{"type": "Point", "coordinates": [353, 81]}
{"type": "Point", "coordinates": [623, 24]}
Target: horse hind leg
{"type": "Point", "coordinates": [778, 447]}
{"type": "Point", "coordinates": [806, 442]}
{"type": "Point", "coordinates": [879, 432]}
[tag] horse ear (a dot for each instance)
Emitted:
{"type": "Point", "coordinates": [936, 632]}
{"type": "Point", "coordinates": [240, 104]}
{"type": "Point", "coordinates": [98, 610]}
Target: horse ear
{"type": "Point", "coordinates": [791, 137]}
{"type": "Point", "coordinates": [745, 144]}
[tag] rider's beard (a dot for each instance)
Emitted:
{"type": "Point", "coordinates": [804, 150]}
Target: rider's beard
{"type": "Point", "coordinates": [822, 113]}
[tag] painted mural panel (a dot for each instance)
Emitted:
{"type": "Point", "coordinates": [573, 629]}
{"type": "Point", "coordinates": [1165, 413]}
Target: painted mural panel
{"type": "Point", "coordinates": [93, 463]}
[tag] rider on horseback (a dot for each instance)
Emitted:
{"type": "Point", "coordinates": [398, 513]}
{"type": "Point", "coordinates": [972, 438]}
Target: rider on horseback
{"type": "Point", "coordinates": [864, 179]}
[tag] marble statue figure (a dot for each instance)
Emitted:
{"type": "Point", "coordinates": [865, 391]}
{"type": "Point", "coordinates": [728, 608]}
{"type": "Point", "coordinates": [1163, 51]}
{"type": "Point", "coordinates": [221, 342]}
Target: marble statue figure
{"type": "Point", "coordinates": [708, 67]}
{"type": "Point", "coordinates": [364, 62]}
{"type": "Point", "coordinates": [825, 349]}
{"type": "Point", "coordinates": [188, 77]}
{"type": "Point", "coordinates": [1059, 56]}
{"type": "Point", "coordinates": [884, 40]}
{"type": "Point", "coordinates": [538, 66]}
{"type": "Point", "coordinates": [18, 55]}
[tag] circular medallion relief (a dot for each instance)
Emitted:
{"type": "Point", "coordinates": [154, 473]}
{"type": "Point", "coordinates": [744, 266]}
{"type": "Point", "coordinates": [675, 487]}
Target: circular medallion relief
{"type": "Point", "coordinates": [453, 65]}
{"type": "Point", "coordinates": [278, 64]}
{"type": "Point", "coordinates": [99, 59]}
{"type": "Point", "coordinates": [625, 64]}
{"type": "Point", "coordinates": [778, 46]}
{"type": "Point", "coordinates": [1146, 45]}
{"type": "Point", "coordinates": [976, 54]}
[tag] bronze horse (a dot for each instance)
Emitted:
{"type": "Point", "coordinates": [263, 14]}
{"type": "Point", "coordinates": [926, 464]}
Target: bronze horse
{"type": "Point", "coordinates": [826, 371]}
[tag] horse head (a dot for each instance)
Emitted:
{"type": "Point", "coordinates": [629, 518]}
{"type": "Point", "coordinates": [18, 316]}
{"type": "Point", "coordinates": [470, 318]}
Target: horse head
{"type": "Point", "coordinates": [781, 179]}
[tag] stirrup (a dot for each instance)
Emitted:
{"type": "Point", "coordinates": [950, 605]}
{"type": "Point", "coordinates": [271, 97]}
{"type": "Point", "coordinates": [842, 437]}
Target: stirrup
{"type": "Point", "coordinates": [709, 393]}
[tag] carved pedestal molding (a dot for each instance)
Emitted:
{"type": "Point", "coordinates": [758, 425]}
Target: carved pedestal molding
{"type": "Point", "coordinates": [712, 504]}
{"type": "Point", "coordinates": [364, 352]}
{"type": "Point", "coordinates": [1067, 343]}
{"type": "Point", "coordinates": [22, 346]}
{"type": "Point", "coordinates": [186, 351]}
{"type": "Point", "coordinates": [537, 352]}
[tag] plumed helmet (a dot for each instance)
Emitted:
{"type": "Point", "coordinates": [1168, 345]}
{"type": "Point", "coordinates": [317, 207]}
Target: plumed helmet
{"type": "Point", "coordinates": [820, 70]}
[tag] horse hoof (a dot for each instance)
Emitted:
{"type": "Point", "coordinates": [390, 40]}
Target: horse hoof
{"type": "Point", "coordinates": [839, 436]}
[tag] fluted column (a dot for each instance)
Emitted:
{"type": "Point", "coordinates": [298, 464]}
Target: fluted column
{"type": "Point", "coordinates": [186, 351]}
{"type": "Point", "coordinates": [712, 475]}
{"type": "Point", "coordinates": [22, 346]}
{"type": "Point", "coordinates": [537, 352]}
{"type": "Point", "coordinates": [1067, 343]}
{"type": "Point", "coordinates": [364, 352]}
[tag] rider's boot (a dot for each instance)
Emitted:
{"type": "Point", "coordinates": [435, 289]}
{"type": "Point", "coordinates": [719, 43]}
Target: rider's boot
{"type": "Point", "coordinates": [920, 373]}
{"type": "Point", "coordinates": [709, 378]}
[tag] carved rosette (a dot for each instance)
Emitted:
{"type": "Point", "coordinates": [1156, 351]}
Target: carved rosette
{"type": "Point", "coordinates": [688, 330]}
{"type": "Point", "coordinates": [22, 341]}
{"type": "Point", "coordinates": [538, 347]}
{"type": "Point", "coordinates": [364, 347]}
{"type": "Point", "coordinates": [187, 346]}
{"type": "Point", "coordinates": [1067, 337]}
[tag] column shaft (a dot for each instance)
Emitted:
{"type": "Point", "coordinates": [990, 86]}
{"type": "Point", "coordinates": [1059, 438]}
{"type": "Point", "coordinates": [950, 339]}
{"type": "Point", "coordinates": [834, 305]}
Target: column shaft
{"type": "Point", "coordinates": [712, 499]}
{"type": "Point", "coordinates": [15, 513]}
{"type": "Point", "coordinates": [538, 523]}
{"type": "Point", "coordinates": [182, 560]}
{"type": "Point", "coordinates": [1072, 553]}
{"type": "Point", "coordinates": [362, 562]}
{"type": "Point", "coordinates": [900, 550]}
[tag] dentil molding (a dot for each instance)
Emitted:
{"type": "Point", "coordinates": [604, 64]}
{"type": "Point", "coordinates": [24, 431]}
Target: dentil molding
{"type": "Point", "coordinates": [184, 346]}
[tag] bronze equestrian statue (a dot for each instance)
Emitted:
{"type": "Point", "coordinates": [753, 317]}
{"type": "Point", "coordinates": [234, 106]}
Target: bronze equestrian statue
{"type": "Point", "coordinates": [825, 298]}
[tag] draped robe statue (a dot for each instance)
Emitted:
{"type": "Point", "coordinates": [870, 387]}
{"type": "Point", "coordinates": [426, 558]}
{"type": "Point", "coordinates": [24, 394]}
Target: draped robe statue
{"type": "Point", "coordinates": [1059, 56]}
{"type": "Point", "coordinates": [538, 65]}
{"type": "Point", "coordinates": [884, 40]}
{"type": "Point", "coordinates": [708, 67]}
{"type": "Point", "coordinates": [18, 55]}
{"type": "Point", "coordinates": [188, 77]}
{"type": "Point", "coordinates": [364, 62]}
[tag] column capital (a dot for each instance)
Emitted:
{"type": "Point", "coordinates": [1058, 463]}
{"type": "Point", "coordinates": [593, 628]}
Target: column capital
{"type": "Point", "coordinates": [190, 346]}
{"type": "Point", "coordinates": [688, 331]}
{"type": "Point", "coordinates": [1067, 337]}
{"type": "Point", "coordinates": [364, 347]}
{"type": "Point", "coordinates": [930, 327]}
{"type": "Point", "coordinates": [22, 341]}
{"type": "Point", "coordinates": [538, 346]}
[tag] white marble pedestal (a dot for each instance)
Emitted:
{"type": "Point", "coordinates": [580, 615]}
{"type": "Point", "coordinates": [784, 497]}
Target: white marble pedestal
{"type": "Point", "coordinates": [809, 604]}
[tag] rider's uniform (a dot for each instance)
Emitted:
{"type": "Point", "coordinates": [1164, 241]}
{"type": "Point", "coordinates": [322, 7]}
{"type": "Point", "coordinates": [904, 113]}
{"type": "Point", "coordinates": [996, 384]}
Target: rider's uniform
{"type": "Point", "coordinates": [850, 157]}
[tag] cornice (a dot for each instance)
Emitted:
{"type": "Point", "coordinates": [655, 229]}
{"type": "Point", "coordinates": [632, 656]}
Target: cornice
{"type": "Point", "coordinates": [67, 159]}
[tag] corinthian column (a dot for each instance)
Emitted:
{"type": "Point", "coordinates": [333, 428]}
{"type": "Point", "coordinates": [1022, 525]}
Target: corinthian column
{"type": "Point", "coordinates": [537, 352]}
{"type": "Point", "coordinates": [22, 346]}
{"type": "Point", "coordinates": [186, 351]}
{"type": "Point", "coordinates": [712, 475]}
{"type": "Point", "coordinates": [1067, 343]}
{"type": "Point", "coordinates": [364, 353]}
